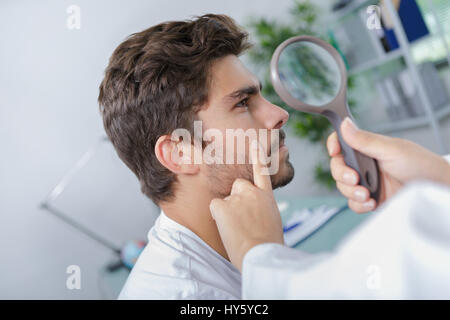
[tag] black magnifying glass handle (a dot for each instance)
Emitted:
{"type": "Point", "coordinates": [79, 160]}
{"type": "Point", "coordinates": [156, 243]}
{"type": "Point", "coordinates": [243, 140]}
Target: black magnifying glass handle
{"type": "Point", "coordinates": [367, 168]}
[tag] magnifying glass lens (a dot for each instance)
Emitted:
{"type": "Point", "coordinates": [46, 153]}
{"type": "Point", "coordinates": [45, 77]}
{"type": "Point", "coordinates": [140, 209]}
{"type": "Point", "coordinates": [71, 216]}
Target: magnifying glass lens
{"type": "Point", "coordinates": [309, 73]}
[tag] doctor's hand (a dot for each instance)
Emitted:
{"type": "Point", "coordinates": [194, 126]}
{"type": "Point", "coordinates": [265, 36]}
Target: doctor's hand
{"type": "Point", "coordinates": [399, 161]}
{"type": "Point", "coordinates": [249, 215]}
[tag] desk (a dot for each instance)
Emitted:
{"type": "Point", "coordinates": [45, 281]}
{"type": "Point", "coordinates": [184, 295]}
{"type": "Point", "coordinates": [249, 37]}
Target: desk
{"type": "Point", "coordinates": [328, 236]}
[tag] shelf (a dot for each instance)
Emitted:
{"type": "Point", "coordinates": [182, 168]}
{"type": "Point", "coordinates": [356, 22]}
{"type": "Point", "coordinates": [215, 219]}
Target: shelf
{"type": "Point", "coordinates": [352, 7]}
{"type": "Point", "coordinates": [404, 51]}
{"type": "Point", "coordinates": [387, 57]}
{"type": "Point", "coordinates": [376, 62]}
{"type": "Point", "coordinates": [410, 123]}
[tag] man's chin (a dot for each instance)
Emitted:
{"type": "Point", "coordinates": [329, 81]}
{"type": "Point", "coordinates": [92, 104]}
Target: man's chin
{"type": "Point", "coordinates": [284, 175]}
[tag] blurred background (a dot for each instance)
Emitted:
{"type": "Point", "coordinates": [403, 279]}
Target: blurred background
{"type": "Point", "coordinates": [57, 172]}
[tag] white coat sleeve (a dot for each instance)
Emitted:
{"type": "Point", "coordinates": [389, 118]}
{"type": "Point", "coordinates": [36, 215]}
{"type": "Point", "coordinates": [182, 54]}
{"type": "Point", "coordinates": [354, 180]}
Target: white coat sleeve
{"type": "Point", "coordinates": [401, 252]}
{"type": "Point", "coordinates": [447, 157]}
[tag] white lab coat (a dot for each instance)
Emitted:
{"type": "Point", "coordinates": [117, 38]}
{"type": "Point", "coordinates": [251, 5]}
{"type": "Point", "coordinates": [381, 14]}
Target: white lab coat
{"type": "Point", "coordinates": [178, 264]}
{"type": "Point", "coordinates": [401, 252]}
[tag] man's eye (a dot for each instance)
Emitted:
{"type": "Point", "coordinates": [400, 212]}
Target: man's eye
{"type": "Point", "coordinates": [243, 103]}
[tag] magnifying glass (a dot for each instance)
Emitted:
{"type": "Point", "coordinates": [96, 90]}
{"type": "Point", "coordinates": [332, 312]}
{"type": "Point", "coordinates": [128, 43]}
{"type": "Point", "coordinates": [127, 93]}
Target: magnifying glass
{"type": "Point", "coordinates": [310, 76]}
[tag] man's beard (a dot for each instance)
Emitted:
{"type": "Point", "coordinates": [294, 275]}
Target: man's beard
{"type": "Point", "coordinates": [222, 176]}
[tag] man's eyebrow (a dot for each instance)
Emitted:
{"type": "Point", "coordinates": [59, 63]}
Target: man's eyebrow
{"type": "Point", "coordinates": [245, 91]}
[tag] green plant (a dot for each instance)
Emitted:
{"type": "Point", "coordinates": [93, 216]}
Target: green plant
{"type": "Point", "coordinates": [269, 34]}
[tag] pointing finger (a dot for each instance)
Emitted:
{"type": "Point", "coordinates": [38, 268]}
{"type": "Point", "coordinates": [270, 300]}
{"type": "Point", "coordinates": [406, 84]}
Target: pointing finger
{"type": "Point", "coordinates": [261, 177]}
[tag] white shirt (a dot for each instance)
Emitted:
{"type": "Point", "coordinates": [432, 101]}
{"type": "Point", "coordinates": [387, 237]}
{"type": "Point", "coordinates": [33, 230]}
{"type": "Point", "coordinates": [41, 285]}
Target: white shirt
{"type": "Point", "coordinates": [401, 252]}
{"type": "Point", "coordinates": [178, 264]}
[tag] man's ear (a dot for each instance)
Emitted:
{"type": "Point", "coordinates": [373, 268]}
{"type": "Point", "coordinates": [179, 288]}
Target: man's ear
{"type": "Point", "coordinates": [176, 156]}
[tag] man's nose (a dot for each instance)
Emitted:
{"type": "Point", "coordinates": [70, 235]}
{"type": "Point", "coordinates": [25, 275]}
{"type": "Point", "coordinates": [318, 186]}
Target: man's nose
{"type": "Point", "coordinates": [272, 116]}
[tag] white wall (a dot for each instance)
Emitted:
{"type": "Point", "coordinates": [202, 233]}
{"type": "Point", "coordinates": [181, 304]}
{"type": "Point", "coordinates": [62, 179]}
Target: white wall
{"type": "Point", "coordinates": [49, 77]}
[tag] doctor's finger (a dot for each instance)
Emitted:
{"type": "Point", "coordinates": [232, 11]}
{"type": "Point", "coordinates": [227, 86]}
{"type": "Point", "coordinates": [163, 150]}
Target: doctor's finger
{"type": "Point", "coordinates": [355, 193]}
{"type": "Point", "coordinates": [364, 207]}
{"type": "Point", "coordinates": [333, 145]}
{"type": "Point", "coordinates": [341, 172]}
{"type": "Point", "coordinates": [261, 178]}
{"type": "Point", "coordinates": [217, 206]}
{"type": "Point", "coordinates": [240, 185]}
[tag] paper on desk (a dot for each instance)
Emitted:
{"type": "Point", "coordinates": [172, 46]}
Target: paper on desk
{"type": "Point", "coordinates": [304, 222]}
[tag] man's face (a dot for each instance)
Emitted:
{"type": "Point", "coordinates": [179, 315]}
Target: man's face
{"type": "Point", "coordinates": [235, 102]}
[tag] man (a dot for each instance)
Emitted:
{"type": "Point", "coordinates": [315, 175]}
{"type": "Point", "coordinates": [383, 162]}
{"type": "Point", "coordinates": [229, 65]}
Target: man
{"type": "Point", "coordinates": [158, 81]}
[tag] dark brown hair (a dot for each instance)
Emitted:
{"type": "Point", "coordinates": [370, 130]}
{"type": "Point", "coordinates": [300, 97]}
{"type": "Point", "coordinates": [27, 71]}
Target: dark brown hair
{"type": "Point", "coordinates": [155, 82]}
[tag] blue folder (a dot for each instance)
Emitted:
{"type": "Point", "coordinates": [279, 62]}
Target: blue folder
{"type": "Point", "coordinates": [412, 22]}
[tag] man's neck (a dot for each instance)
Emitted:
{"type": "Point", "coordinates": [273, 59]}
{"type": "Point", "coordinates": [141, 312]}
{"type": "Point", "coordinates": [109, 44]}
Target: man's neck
{"type": "Point", "coordinates": [192, 211]}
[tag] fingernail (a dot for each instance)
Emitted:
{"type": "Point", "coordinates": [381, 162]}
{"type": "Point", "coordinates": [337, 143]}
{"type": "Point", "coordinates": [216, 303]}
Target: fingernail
{"type": "Point", "coordinates": [349, 178]}
{"type": "Point", "coordinates": [331, 150]}
{"type": "Point", "coordinates": [351, 127]}
{"type": "Point", "coordinates": [360, 195]}
{"type": "Point", "coordinates": [369, 204]}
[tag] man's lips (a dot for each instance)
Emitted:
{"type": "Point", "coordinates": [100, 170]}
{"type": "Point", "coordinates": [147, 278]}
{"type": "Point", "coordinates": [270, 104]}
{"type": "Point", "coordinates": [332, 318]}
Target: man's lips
{"type": "Point", "coordinates": [281, 139]}
{"type": "Point", "coordinates": [281, 146]}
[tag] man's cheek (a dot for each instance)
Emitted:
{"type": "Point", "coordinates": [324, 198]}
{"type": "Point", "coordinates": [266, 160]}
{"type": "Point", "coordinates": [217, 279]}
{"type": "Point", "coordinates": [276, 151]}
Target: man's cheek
{"type": "Point", "coordinates": [214, 151]}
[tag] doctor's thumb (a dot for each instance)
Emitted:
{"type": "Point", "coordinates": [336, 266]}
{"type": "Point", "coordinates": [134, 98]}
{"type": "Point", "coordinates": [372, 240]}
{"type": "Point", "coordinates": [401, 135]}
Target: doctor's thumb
{"type": "Point", "coordinates": [371, 144]}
